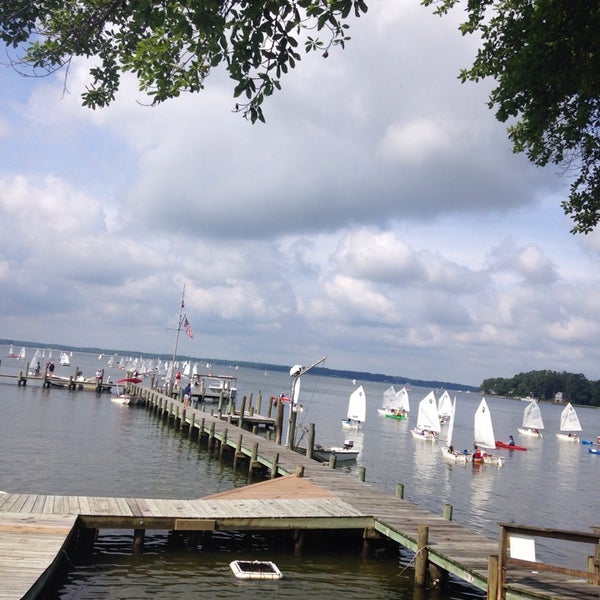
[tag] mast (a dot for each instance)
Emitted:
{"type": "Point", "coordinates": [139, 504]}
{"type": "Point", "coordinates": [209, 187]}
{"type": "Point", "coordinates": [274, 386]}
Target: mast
{"type": "Point", "coordinates": [179, 322]}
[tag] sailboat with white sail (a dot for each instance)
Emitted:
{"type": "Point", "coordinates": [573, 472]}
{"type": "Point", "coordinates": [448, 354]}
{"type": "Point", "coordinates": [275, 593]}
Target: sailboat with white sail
{"type": "Point", "coordinates": [448, 452]}
{"type": "Point", "coordinates": [484, 436]}
{"type": "Point", "coordinates": [533, 423]}
{"type": "Point", "coordinates": [428, 420]}
{"type": "Point", "coordinates": [395, 403]}
{"type": "Point", "coordinates": [357, 409]}
{"type": "Point", "coordinates": [569, 425]}
{"type": "Point", "coordinates": [444, 407]}
{"type": "Point", "coordinates": [64, 359]}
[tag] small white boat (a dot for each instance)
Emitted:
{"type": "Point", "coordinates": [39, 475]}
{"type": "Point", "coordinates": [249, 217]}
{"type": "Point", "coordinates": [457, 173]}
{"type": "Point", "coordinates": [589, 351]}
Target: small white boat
{"type": "Point", "coordinates": [124, 398]}
{"type": "Point", "coordinates": [448, 451]}
{"type": "Point", "coordinates": [533, 423]}
{"type": "Point", "coordinates": [357, 409]}
{"type": "Point", "coordinates": [428, 420]}
{"type": "Point", "coordinates": [569, 425]}
{"type": "Point", "coordinates": [255, 569]}
{"type": "Point", "coordinates": [21, 355]}
{"type": "Point", "coordinates": [345, 453]}
{"type": "Point", "coordinates": [484, 435]}
{"type": "Point", "coordinates": [64, 359]}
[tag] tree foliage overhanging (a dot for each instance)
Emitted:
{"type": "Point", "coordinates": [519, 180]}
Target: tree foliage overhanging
{"type": "Point", "coordinates": [544, 385]}
{"type": "Point", "coordinates": [544, 56]}
{"type": "Point", "coordinates": [172, 45]}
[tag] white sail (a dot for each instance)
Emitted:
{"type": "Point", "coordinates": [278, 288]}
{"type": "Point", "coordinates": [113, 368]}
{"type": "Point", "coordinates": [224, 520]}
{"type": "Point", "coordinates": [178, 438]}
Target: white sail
{"type": "Point", "coordinates": [22, 354]}
{"type": "Point", "coordinates": [484, 431]}
{"type": "Point", "coordinates": [428, 417]}
{"type": "Point", "coordinates": [445, 405]}
{"type": "Point", "coordinates": [389, 398]}
{"type": "Point", "coordinates": [64, 359]}
{"type": "Point", "coordinates": [357, 405]}
{"type": "Point", "coordinates": [532, 416]}
{"type": "Point", "coordinates": [451, 424]}
{"type": "Point", "coordinates": [569, 420]}
{"type": "Point", "coordinates": [402, 400]}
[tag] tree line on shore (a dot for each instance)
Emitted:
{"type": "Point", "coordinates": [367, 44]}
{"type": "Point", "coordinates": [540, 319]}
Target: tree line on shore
{"type": "Point", "coordinates": [544, 385]}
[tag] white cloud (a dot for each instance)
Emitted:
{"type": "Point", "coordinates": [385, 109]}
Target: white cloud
{"type": "Point", "coordinates": [379, 218]}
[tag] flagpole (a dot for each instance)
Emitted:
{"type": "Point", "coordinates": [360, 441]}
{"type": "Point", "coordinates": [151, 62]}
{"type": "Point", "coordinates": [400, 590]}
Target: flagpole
{"type": "Point", "coordinates": [178, 326]}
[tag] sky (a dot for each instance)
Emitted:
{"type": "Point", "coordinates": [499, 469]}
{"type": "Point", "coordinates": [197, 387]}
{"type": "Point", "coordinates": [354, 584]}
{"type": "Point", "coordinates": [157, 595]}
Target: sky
{"type": "Point", "coordinates": [379, 218]}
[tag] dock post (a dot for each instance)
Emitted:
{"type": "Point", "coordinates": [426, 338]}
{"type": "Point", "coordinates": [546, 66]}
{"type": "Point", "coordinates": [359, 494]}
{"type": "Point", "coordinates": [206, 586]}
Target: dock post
{"type": "Point", "coordinates": [279, 422]}
{"type": "Point", "coordinates": [298, 542]}
{"type": "Point", "coordinates": [310, 440]}
{"type": "Point", "coordinates": [492, 579]}
{"type": "Point", "coordinates": [211, 435]}
{"type": "Point", "coordinates": [421, 556]}
{"type": "Point", "coordinates": [238, 451]}
{"type": "Point", "coordinates": [250, 408]}
{"type": "Point", "coordinates": [242, 411]}
{"type": "Point", "coordinates": [259, 402]}
{"type": "Point", "coordinates": [253, 457]}
{"type": "Point", "coordinates": [138, 541]}
{"type": "Point", "coordinates": [447, 512]}
{"type": "Point", "coordinates": [275, 466]}
{"type": "Point", "coordinates": [362, 472]}
{"type": "Point", "coordinates": [332, 460]}
{"type": "Point", "coordinates": [400, 491]}
{"type": "Point", "coordinates": [223, 444]}
{"type": "Point", "coordinates": [300, 471]}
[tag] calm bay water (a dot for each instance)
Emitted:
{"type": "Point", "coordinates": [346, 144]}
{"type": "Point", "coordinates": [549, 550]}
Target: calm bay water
{"type": "Point", "coordinates": [60, 442]}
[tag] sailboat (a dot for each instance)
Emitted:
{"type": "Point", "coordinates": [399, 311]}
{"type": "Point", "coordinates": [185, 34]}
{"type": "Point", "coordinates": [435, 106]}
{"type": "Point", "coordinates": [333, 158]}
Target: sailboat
{"type": "Point", "coordinates": [12, 353]}
{"type": "Point", "coordinates": [445, 407]}
{"type": "Point", "coordinates": [395, 403]}
{"type": "Point", "coordinates": [64, 359]}
{"type": "Point", "coordinates": [357, 409]}
{"type": "Point", "coordinates": [428, 420]}
{"type": "Point", "coordinates": [532, 421]}
{"type": "Point", "coordinates": [569, 425]}
{"type": "Point", "coordinates": [21, 355]}
{"type": "Point", "coordinates": [484, 434]}
{"type": "Point", "coordinates": [448, 451]}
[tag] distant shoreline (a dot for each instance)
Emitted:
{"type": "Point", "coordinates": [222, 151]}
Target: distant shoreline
{"type": "Point", "coordinates": [342, 374]}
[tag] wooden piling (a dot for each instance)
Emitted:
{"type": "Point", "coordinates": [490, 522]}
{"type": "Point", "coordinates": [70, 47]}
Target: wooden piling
{"type": "Point", "coordinates": [447, 512]}
{"type": "Point", "coordinates": [492, 580]}
{"type": "Point", "coordinates": [400, 490]}
{"type": "Point", "coordinates": [421, 556]}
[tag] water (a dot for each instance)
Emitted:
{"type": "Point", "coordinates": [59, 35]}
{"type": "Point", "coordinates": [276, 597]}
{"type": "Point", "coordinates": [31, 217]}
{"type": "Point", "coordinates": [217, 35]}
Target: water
{"type": "Point", "coordinates": [77, 443]}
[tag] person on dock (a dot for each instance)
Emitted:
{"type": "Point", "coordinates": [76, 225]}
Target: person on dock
{"type": "Point", "coordinates": [50, 367]}
{"type": "Point", "coordinates": [38, 369]}
{"type": "Point", "coordinates": [187, 393]}
{"type": "Point", "coordinates": [177, 380]}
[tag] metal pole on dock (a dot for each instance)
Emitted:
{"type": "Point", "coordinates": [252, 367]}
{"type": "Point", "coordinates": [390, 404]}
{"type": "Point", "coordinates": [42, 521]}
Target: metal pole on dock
{"type": "Point", "coordinates": [295, 373]}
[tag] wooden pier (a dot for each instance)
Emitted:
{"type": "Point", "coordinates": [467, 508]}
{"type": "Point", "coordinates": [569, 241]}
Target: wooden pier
{"type": "Point", "coordinates": [301, 495]}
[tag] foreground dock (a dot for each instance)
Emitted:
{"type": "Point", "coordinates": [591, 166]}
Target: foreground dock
{"type": "Point", "coordinates": [301, 496]}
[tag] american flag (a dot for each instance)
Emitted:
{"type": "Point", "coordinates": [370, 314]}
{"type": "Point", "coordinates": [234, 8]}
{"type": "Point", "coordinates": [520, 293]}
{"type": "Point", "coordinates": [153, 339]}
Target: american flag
{"type": "Point", "coordinates": [188, 327]}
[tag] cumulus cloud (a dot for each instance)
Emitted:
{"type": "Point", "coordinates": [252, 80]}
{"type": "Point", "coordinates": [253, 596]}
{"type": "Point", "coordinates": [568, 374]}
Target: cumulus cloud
{"type": "Point", "coordinates": [379, 218]}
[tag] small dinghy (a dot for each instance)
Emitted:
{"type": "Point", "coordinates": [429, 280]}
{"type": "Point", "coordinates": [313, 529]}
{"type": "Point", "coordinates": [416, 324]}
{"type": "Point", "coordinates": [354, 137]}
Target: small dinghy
{"type": "Point", "coordinates": [255, 569]}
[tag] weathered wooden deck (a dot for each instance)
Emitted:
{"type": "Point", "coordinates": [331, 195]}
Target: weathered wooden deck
{"type": "Point", "coordinates": [323, 499]}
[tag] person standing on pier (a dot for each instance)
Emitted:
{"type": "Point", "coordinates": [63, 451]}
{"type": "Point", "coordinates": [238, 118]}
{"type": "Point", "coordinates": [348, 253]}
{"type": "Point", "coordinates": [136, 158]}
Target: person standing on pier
{"type": "Point", "coordinates": [187, 393]}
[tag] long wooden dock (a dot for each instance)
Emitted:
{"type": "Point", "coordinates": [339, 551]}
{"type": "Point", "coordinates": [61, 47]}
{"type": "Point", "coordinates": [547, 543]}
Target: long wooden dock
{"type": "Point", "coordinates": [323, 498]}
